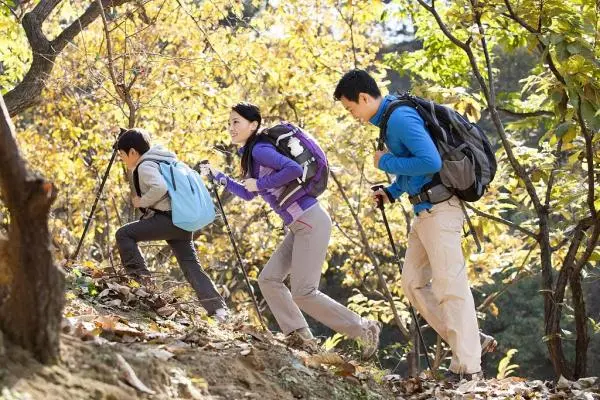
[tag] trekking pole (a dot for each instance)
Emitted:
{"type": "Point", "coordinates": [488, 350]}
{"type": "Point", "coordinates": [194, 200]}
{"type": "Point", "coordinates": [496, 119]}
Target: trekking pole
{"type": "Point", "coordinates": [73, 257]}
{"type": "Point", "coordinates": [235, 248]}
{"type": "Point", "coordinates": [381, 206]}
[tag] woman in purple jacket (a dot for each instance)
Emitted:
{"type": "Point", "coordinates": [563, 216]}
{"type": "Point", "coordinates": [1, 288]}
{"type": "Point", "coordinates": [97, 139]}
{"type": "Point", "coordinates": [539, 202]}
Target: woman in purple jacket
{"type": "Point", "coordinates": [303, 251]}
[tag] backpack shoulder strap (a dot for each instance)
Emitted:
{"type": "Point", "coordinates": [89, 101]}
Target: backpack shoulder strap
{"type": "Point", "coordinates": [267, 135]}
{"type": "Point", "coordinates": [136, 175]}
{"type": "Point", "coordinates": [402, 100]}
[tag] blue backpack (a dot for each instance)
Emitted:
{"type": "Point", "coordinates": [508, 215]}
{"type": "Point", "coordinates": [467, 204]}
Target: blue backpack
{"type": "Point", "coordinates": [192, 207]}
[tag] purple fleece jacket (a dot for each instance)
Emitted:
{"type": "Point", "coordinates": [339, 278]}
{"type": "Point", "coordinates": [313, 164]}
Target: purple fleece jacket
{"type": "Point", "coordinates": [273, 172]}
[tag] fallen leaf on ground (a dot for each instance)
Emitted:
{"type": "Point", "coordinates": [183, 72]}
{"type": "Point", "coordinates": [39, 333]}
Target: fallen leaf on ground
{"type": "Point", "coordinates": [333, 359]}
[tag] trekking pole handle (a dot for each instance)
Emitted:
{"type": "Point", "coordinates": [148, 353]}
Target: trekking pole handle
{"type": "Point", "coordinates": [205, 162]}
{"type": "Point", "coordinates": [375, 188]}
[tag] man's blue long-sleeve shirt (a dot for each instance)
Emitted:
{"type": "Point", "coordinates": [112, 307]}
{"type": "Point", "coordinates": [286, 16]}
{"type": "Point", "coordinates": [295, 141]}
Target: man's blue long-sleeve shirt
{"type": "Point", "coordinates": [413, 157]}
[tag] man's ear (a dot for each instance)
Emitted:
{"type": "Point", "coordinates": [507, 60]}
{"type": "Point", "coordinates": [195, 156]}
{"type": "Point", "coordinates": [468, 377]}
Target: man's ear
{"type": "Point", "coordinates": [363, 98]}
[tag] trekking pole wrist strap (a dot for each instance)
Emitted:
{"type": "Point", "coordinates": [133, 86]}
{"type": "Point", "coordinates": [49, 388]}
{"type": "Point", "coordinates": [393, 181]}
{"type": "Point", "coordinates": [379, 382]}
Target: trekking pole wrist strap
{"type": "Point", "coordinates": [389, 195]}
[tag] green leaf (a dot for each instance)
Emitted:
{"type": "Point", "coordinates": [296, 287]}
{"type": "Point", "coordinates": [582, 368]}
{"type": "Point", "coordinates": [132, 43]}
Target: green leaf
{"type": "Point", "coordinates": [562, 128]}
{"type": "Point", "coordinates": [574, 158]}
{"type": "Point", "coordinates": [589, 113]}
{"type": "Point", "coordinates": [92, 290]}
{"type": "Point", "coordinates": [573, 48]}
{"type": "Point", "coordinates": [595, 256]}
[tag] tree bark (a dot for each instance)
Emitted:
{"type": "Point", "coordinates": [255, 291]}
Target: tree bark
{"type": "Point", "coordinates": [32, 288]}
{"type": "Point", "coordinates": [581, 319]}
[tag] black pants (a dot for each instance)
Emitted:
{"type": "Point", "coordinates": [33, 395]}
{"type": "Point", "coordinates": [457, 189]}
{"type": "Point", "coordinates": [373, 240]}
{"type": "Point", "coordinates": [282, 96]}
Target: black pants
{"type": "Point", "coordinates": [160, 227]}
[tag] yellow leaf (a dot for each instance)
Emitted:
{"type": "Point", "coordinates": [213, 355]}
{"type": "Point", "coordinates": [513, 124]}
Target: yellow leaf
{"type": "Point", "coordinates": [70, 296]}
{"type": "Point", "coordinates": [494, 310]}
{"type": "Point", "coordinates": [133, 284]}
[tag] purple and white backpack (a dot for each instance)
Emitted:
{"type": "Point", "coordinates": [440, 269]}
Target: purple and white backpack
{"type": "Point", "coordinates": [300, 146]}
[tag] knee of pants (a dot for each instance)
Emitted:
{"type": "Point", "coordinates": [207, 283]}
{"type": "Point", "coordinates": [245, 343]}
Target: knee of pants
{"type": "Point", "coordinates": [302, 294]}
{"type": "Point", "coordinates": [188, 260]}
{"type": "Point", "coordinates": [409, 284]}
{"type": "Point", "coordinates": [265, 280]}
{"type": "Point", "coordinates": [121, 234]}
{"type": "Point", "coordinates": [449, 289]}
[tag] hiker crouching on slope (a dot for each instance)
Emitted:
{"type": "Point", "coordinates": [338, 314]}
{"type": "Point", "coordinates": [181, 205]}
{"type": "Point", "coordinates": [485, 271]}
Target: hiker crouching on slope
{"type": "Point", "coordinates": [156, 224]}
{"type": "Point", "coordinates": [434, 277]}
{"type": "Point", "coordinates": [303, 251]}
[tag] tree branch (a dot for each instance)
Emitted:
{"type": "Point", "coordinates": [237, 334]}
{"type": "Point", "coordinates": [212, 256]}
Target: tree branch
{"type": "Point", "coordinates": [503, 221]}
{"type": "Point", "coordinates": [488, 61]}
{"type": "Point", "coordinates": [518, 19]}
{"type": "Point", "coordinates": [591, 246]}
{"type": "Point", "coordinates": [493, 296]}
{"type": "Point", "coordinates": [443, 26]}
{"type": "Point", "coordinates": [210, 45]}
{"type": "Point", "coordinates": [540, 113]}
{"type": "Point", "coordinates": [589, 155]}
{"type": "Point", "coordinates": [352, 240]}
{"type": "Point", "coordinates": [350, 23]}
{"type": "Point", "coordinates": [28, 92]}
{"type": "Point", "coordinates": [541, 46]}
{"type": "Point", "coordinates": [89, 16]}
{"type": "Point", "coordinates": [13, 12]}
{"type": "Point", "coordinates": [553, 175]}
{"type": "Point", "coordinates": [491, 105]}
{"type": "Point", "coordinates": [122, 90]}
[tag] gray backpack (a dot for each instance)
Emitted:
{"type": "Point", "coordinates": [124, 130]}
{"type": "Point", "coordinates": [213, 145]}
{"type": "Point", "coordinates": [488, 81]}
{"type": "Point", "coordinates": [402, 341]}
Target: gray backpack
{"type": "Point", "coordinates": [468, 161]}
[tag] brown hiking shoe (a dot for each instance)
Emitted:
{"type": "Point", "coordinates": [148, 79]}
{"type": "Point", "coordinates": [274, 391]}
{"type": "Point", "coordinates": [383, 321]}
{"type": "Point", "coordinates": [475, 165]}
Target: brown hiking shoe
{"type": "Point", "coordinates": [455, 378]}
{"type": "Point", "coordinates": [488, 343]}
{"type": "Point", "coordinates": [369, 340]}
{"type": "Point", "coordinates": [302, 339]}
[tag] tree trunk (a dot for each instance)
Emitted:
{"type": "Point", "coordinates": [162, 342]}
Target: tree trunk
{"type": "Point", "coordinates": [581, 320]}
{"type": "Point", "coordinates": [32, 288]}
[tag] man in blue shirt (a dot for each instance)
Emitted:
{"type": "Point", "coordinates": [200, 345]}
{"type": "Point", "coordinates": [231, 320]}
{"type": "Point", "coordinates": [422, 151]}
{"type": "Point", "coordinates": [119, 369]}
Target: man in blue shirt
{"type": "Point", "coordinates": [434, 277]}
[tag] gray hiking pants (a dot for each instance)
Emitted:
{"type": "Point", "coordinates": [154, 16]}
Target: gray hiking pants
{"type": "Point", "coordinates": [301, 255]}
{"type": "Point", "coordinates": [160, 227]}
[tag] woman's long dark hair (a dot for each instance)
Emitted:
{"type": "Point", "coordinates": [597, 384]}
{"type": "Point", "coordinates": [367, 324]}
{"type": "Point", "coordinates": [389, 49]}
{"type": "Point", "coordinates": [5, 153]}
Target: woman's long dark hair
{"type": "Point", "coordinates": [251, 113]}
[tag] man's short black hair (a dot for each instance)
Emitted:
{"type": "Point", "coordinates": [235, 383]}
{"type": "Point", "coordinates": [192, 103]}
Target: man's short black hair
{"type": "Point", "coordinates": [134, 138]}
{"type": "Point", "coordinates": [355, 82]}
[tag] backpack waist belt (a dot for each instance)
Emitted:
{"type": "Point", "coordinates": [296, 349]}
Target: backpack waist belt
{"type": "Point", "coordinates": [432, 194]}
{"type": "Point", "coordinates": [168, 213]}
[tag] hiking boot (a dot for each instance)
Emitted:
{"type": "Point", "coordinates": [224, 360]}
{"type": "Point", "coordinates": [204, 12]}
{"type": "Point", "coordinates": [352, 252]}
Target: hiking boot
{"type": "Point", "coordinates": [305, 333]}
{"type": "Point", "coordinates": [221, 315]}
{"type": "Point", "coordinates": [302, 339]}
{"type": "Point", "coordinates": [454, 378]}
{"type": "Point", "coordinates": [369, 340]}
{"type": "Point", "coordinates": [488, 343]}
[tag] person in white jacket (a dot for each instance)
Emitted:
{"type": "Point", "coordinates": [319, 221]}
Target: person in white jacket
{"type": "Point", "coordinates": [152, 197]}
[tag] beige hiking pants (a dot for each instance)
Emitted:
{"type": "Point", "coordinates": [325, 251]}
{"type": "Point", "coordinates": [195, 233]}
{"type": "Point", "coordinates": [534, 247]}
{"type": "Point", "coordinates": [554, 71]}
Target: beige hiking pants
{"type": "Point", "coordinates": [434, 279]}
{"type": "Point", "coordinates": [301, 255]}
